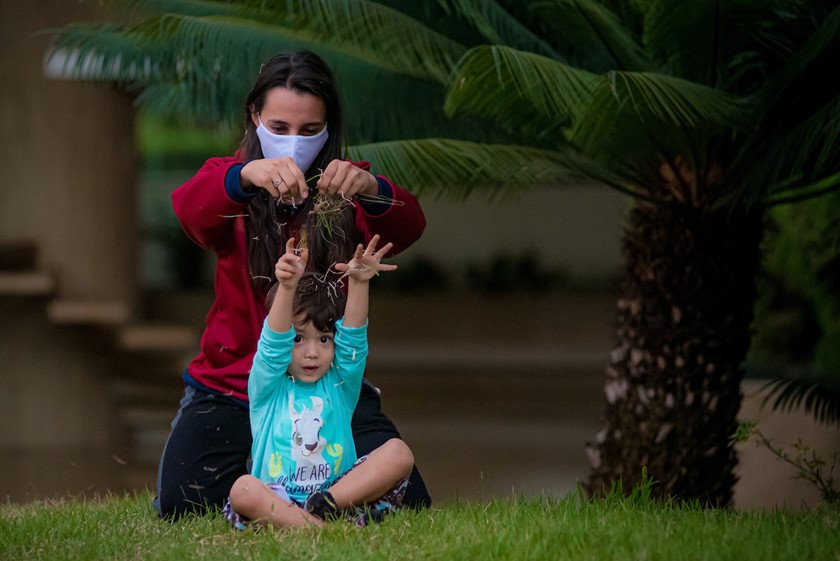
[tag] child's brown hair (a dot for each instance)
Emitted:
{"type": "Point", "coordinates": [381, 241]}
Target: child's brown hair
{"type": "Point", "coordinates": [317, 300]}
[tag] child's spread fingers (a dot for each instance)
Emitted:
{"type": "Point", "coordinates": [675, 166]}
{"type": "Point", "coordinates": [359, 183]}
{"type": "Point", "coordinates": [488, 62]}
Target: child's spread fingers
{"type": "Point", "coordinates": [360, 252]}
{"type": "Point", "coordinates": [383, 251]}
{"type": "Point", "coordinates": [371, 248]}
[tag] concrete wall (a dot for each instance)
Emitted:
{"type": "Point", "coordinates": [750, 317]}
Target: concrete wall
{"type": "Point", "coordinates": [54, 392]}
{"type": "Point", "coordinates": [574, 229]}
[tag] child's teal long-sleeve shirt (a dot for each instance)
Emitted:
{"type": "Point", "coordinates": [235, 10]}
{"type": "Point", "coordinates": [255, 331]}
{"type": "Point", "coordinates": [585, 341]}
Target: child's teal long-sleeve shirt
{"type": "Point", "coordinates": [301, 430]}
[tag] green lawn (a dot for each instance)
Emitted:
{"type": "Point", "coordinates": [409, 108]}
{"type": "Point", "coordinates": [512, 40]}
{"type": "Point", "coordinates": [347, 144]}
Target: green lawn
{"type": "Point", "coordinates": [556, 529]}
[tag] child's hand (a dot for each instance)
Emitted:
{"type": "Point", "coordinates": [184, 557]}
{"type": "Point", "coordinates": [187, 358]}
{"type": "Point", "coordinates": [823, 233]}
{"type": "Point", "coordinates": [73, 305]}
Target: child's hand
{"type": "Point", "coordinates": [291, 265]}
{"type": "Point", "coordinates": [366, 262]}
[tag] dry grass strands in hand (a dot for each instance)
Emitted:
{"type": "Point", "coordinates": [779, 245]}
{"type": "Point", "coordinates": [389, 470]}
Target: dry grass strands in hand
{"type": "Point", "coordinates": [380, 199]}
{"type": "Point", "coordinates": [325, 209]}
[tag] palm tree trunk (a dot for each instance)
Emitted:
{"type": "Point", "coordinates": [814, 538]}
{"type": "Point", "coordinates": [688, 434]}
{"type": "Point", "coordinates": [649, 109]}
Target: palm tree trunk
{"type": "Point", "coordinates": [673, 387]}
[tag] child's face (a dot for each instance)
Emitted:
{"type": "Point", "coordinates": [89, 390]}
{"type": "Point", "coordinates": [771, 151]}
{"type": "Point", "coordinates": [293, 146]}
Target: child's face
{"type": "Point", "coordinates": [313, 352]}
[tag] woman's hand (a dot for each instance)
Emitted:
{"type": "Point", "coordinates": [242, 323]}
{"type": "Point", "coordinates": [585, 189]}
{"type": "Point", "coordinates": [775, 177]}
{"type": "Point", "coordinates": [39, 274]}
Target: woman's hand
{"type": "Point", "coordinates": [291, 265]}
{"type": "Point", "coordinates": [344, 179]}
{"type": "Point", "coordinates": [367, 262]}
{"type": "Point", "coordinates": [280, 177]}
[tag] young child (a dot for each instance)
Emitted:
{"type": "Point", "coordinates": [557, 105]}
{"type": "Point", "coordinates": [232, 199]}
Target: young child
{"type": "Point", "coordinates": [303, 388]}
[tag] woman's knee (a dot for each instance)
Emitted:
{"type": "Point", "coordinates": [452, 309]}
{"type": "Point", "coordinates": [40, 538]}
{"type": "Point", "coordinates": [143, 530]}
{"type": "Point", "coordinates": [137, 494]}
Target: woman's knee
{"type": "Point", "coordinates": [173, 503]}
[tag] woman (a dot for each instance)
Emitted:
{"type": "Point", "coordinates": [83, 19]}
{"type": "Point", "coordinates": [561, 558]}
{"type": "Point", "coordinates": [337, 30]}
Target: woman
{"type": "Point", "coordinates": [245, 208]}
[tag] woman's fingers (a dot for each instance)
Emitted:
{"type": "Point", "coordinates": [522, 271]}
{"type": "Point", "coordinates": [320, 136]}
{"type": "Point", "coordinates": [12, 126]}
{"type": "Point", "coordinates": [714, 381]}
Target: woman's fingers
{"type": "Point", "coordinates": [344, 179]}
{"type": "Point", "coordinates": [292, 181]}
{"type": "Point", "coordinates": [279, 177]}
{"type": "Point", "coordinates": [332, 180]}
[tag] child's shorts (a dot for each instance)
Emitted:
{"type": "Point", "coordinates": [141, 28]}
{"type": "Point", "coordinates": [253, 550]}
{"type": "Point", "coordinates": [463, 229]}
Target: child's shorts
{"type": "Point", "coordinates": [361, 515]}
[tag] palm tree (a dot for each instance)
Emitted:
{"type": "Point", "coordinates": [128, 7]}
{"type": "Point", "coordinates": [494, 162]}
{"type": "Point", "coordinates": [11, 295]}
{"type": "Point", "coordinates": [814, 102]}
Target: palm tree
{"type": "Point", "coordinates": [705, 112]}
{"type": "Point", "coordinates": [720, 116]}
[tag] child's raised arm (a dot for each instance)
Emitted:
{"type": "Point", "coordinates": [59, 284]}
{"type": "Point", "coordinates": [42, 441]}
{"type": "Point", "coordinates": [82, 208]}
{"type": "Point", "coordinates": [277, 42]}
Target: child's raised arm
{"type": "Point", "coordinates": [288, 270]}
{"type": "Point", "coordinates": [366, 264]}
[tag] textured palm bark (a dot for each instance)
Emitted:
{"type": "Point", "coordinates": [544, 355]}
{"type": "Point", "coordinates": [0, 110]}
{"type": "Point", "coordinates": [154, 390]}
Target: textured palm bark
{"type": "Point", "coordinates": [673, 387]}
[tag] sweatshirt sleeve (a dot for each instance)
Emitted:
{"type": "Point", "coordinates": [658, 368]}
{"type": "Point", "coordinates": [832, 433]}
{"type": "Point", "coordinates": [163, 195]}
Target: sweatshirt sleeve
{"type": "Point", "coordinates": [401, 222]}
{"type": "Point", "coordinates": [351, 351]}
{"type": "Point", "coordinates": [203, 206]}
{"type": "Point", "coordinates": [271, 364]}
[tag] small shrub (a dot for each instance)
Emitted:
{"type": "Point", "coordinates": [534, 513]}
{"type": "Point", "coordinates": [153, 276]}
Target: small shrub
{"type": "Point", "coordinates": [810, 466]}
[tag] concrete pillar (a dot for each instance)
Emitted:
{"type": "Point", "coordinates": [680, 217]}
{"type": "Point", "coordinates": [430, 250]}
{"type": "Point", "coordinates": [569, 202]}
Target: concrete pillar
{"type": "Point", "coordinates": [67, 185]}
{"type": "Point", "coordinates": [69, 175]}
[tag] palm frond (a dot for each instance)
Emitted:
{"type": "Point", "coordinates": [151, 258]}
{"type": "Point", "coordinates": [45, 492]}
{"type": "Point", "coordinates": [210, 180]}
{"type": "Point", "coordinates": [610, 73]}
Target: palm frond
{"type": "Point", "coordinates": [796, 140]}
{"type": "Point", "coordinates": [808, 154]}
{"type": "Point", "coordinates": [520, 90]}
{"type": "Point", "coordinates": [100, 52]}
{"type": "Point", "coordinates": [590, 35]}
{"type": "Point", "coordinates": [799, 87]}
{"type": "Point", "coordinates": [147, 8]}
{"type": "Point", "coordinates": [816, 395]}
{"type": "Point", "coordinates": [499, 26]}
{"type": "Point", "coordinates": [686, 37]}
{"type": "Point", "coordinates": [677, 102]}
{"type": "Point", "coordinates": [756, 39]}
{"type": "Point", "coordinates": [375, 32]}
{"type": "Point", "coordinates": [636, 114]}
{"type": "Point", "coordinates": [807, 191]}
{"type": "Point", "coordinates": [380, 35]}
{"type": "Point", "coordinates": [375, 106]}
{"type": "Point", "coordinates": [199, 69]}
{"type": "Point", "coordinates": [453, 169]}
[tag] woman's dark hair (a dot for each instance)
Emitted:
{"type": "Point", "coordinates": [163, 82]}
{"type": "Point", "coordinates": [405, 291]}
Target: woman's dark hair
{"type": "Point", "coordinates": [318, 299]}
{"type": "Point", "coordinates": [269, 223]}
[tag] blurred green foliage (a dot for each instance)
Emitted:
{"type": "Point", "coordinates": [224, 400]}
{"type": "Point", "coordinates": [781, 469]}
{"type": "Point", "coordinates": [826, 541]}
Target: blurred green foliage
{"type": "Point", "coordinates": [798, 310]}
{"type": "Point", "coordinates": [513, 273]}
{"type": "Point", "coordinates": [169, 144]}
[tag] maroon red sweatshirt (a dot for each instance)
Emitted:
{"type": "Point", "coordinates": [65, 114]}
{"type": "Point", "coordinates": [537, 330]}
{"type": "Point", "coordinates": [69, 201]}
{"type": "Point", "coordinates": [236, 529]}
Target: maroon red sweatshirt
{"type": "Point", "coordinates": [212, 216]}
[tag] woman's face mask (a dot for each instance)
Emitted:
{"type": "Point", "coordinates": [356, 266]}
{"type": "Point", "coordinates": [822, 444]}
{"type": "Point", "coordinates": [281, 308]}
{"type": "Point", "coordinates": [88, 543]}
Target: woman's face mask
{"type": "Point", "coordinates": [302, 149]}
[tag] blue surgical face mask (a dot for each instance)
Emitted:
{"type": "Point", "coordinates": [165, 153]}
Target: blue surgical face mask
{"type": "Point", "coordinates": [302, 149]}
